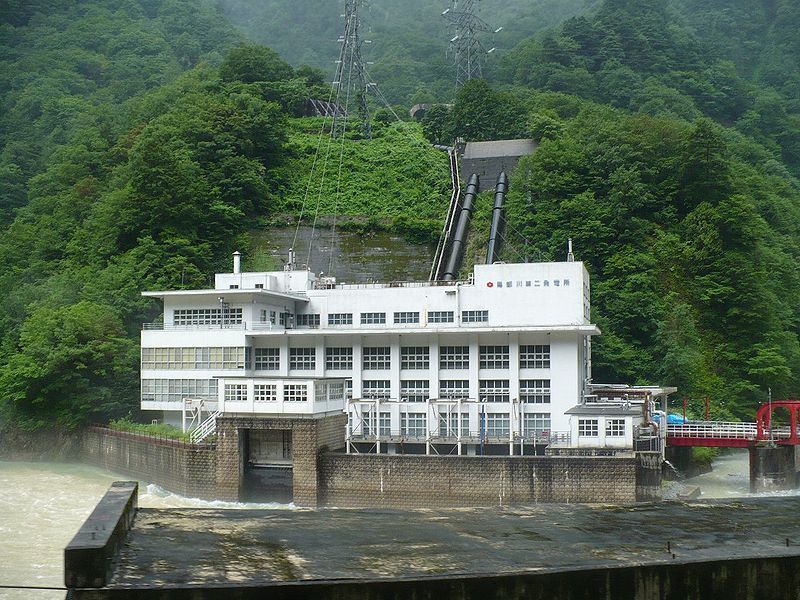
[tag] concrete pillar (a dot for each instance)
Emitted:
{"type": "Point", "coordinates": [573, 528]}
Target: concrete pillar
{"type": "Point", "coordinates": [773, 468]}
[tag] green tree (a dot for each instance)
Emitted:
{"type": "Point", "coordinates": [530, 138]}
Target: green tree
{"type": "Point", "coordinates": [250, 63]}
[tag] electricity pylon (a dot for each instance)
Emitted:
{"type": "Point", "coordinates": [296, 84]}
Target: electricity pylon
{"type": "Point", "coordinates": [465, 47]}
{"type": "Point", "coordinates": [351, 77]}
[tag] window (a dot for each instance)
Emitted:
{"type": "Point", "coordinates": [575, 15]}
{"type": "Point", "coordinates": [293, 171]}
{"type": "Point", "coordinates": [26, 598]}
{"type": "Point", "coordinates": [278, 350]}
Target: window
{"type": "Point", "coordinates": [265, 392]}
{"type": "Point", "coordinates": [588, 428]}
{"type": "Point", "coordinates": [339, 359]}
{"type": "Point", "coordinates": [259, 286]}
{"type": "Point", "coordinates": [494, 390]}
{"type": "Point", "coordinates": [268, 359]}
{"type": "Point", "coordinates": [368, 422]}
{"type": "Point", "coordinates": [474, 316]}
{"type": "Point", "coordinates": [406, 317]}
{"type": "Point", "coordinates": [494, 357]}
{"type": "Point", "coordinates": [295, 392]}
{"type": "Point", "coordinates": [373, 389]}
{"type": "Point", "coordinates": [233, 287]}
{"type": "Point", "coordinates": [415, 390]}
{"type": "Point", "coordinates": [440, 316]}
{"type": "Point", "coordinates": [498, 424]}
{"type": "Point", "coordinates": [373, 318]}
{"type": "Point", "coordinates": [534, 391]}
{"type": "Point", "coordinates": [235, 392]}
{"type": "Point", "coordinates": [302, 359]}
{"type": "Point", "coordinates": [286, 319]}
{"type": "Point", "coordinates": [615, 427]}
{"type": "Point", "coordinates": [194, 358]}
{"type": "Point", "coordinates": [348, 389]}
{"type": "Point", "coordinates": [415, 357]}
{"type": "Point", "coordinates": [537, 425]}
{"type": "Point", "coordinates": [413, 424]}
{"type": "Point", "coordinates": [206, 316]}
{"type": "Point", "coordinates": [336, 392]}
{"type": "Point", "coordinates": [534, 357]}
{"type": "Point", "coordinates": [451, 389]}
{"type": "Point", "coordinates": [307, 320]}
{"type": "Point", "coordinates": [385, 423]}
{"type": "Point", "coordinates": [448, 424]}
{"type": "Point", "coordinates": [340, 319]}
{"type": "Point", "coordinates": [454, 357]}
{"type": "Point", "coordinates": [175, 390]}
{"type": "Point", "coordinates": [376, 358]}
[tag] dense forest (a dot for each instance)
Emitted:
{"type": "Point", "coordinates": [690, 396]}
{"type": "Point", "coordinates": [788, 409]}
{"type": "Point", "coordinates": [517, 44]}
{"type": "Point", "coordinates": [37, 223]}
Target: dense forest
{"type": "Point", "coordinates": [141, 141]}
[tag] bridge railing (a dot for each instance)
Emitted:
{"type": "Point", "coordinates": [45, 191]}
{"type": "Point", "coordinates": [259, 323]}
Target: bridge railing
{"type": "Point", "coordinates": [722, 430]}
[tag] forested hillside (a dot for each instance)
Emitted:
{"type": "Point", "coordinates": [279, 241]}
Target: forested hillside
{"type": "Point", "coordinates": [140, 142]}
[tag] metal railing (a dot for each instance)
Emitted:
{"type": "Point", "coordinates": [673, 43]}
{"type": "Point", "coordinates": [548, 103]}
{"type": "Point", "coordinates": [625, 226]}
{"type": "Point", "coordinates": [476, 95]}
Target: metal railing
{"type": "Point", "coordinates": [713, 429]}
{"type": "Point", "coordinates": [161, 440]}
{"type": "Point", "coordinates": [205, 429]}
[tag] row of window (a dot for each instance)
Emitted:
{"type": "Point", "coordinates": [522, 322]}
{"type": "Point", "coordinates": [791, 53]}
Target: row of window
{"type": "Point", "coordinates": [207, 316]}
{"type": "Point", "coordinates": [591, 427]}
{"type": "Point", "coordinates": [175, 390]}
{"type": "Point", "coordinates": [377, 318]}
{"type": "Point", "coordinates": [531, 391]}
{"type": "Point", "coordinates": [374, 358]}
{"type": "Point", "coordinates": [416, 425]}
{"type": "Point", "coordinates": [195, 358]}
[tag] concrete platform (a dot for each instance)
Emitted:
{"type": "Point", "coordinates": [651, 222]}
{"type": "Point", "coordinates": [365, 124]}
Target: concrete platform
{"type": "Point", "coordinates": [202, 553]}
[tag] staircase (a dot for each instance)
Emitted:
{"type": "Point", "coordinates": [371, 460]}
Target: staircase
{"type": "Point", "coordinates": [205, 429]}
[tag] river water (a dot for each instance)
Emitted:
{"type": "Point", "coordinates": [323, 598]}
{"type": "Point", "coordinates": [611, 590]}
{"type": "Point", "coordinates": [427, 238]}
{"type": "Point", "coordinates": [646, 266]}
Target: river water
{"type": "Point", "coordinates": [43, 504]}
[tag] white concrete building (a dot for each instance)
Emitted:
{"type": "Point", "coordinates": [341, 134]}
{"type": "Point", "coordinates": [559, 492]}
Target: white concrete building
{"type": "Point", "coordinates": [490, 365]}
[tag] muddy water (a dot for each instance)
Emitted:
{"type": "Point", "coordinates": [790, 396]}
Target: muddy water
{"type": "Point", "coordinates": [350, 257]}
{"type": "Point", "coordinates": [41, 507]}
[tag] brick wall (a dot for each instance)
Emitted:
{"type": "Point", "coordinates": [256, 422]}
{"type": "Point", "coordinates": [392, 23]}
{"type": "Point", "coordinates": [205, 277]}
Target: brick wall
{"type": "Point", "coordinates": [408, 481]}
{"type": "Point", "coordinates": [180, 469]}
{"type": "Point", "coordinates": [309, 438]}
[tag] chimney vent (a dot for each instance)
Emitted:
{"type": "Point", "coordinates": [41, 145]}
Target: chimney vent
{"type": "Point", "coordinates": [237, 262]}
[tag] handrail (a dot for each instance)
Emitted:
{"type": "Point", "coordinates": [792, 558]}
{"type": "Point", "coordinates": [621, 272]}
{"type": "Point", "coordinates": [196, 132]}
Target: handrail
{"type": "Point", "coordinates": [455, 181]}
{"type": "Point", "coordinates": [206, 428]}
{"type": "Point", "coordinates": [719, 430]}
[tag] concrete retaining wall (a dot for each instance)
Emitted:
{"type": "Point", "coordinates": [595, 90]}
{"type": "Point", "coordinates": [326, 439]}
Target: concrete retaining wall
{"type": "Point", "coordinates": [181, 469]}
{"type": "Point", "coordinates": [414, 481]}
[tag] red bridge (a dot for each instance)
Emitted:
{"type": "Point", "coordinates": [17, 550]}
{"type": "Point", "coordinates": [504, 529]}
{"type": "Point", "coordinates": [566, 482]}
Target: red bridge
{"type": "Point", "coordinates": [739, 435]}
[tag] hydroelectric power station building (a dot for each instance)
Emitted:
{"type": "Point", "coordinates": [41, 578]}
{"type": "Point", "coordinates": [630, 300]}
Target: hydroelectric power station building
{"type": "Point", "coordinates": [291, 364]}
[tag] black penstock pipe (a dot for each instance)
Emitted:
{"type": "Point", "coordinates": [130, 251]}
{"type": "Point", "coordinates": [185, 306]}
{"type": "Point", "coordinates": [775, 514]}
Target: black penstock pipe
{"type": "Point", "coordinates": [460, 234]}
{"type": "Point", "coordinates": [498, 220]}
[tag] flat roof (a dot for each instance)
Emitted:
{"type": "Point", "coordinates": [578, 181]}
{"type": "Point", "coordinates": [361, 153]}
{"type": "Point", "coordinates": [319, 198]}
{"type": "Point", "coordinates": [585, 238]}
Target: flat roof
{"type": "Point", "coordinates": [226, 292]}
{"type": "Point", "coordinates": [498, 148]}
{"type": "Point", "coordinates": [441, 329]}
{"type": "Point", "coordinates": [169, 549]}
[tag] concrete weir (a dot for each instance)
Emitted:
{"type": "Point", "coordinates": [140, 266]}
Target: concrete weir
{"type": "Point", "coordinates": [665, 551]}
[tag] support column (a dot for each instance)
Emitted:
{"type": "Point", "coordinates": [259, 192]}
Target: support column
{"type": "Point", "coordinates": [773, 468]}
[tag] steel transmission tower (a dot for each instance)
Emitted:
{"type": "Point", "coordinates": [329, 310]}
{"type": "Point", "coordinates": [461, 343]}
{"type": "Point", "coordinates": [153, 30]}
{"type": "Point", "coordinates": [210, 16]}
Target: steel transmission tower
{"type": "Point", "coordinates": [465, 47]}
{"type": "Point", "coordinates": [351, 77]}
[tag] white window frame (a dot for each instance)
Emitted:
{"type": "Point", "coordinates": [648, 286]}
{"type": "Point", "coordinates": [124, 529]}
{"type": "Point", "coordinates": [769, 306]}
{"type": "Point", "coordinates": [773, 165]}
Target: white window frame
{"type": "Point", "coordinates": [494, 390]}
{"type": "Point", "coordinates": [235, 392]}
{"type": "Point", "coordinates": [265, 392]}
{"type": "Point", "coordinates": [295, 392]}
{"type": "Point", "coordinates": [474, 316]}
{"type": "Point", "coordinates": [494, 357]}
{"type": "Point", "coordinates": [339, 358]}
{"type": "Point", "coordinates": [615, 428]}
{"type": "Point", "coordinates": [415, 358]}
{"type": "Point", "coordinates": [441, 316]}
{"type": "Point", "coordinates": [588, 428]}
{"type": "Point", "coordinates": [534, 356]}
{"type": "Point", "coordinates": [302, 359]}
{"type": "Point", "coordinates": [376, 358]}
{"type": "Point", "coordinates": [454, 358]}
{"type": "Point", "coordinates": [415, 390]}
{"type": "Point", "coordinates": [340, 319]}
{"type": "Point", "coordinates": [267, 359]}
{"type": "Point", "coordinates": [534, 391]}
{"type": "Point", "coordinates": [373, 318]}
{"type": "Point", "coordinates": [406, 317]}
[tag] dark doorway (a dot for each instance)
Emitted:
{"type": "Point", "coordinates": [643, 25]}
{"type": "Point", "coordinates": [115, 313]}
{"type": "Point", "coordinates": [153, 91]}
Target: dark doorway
{"type": "Point", "coordinates": [267, 466]}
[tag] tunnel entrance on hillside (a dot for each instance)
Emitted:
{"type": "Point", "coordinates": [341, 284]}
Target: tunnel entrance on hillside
{"type": "Point", "coordinates": [268, 466]}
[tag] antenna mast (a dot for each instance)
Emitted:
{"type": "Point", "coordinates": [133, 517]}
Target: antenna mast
{"type": "Point", "coordinates": [466, 49]}
{"type": "Point", "coordinates": [351, 77]}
